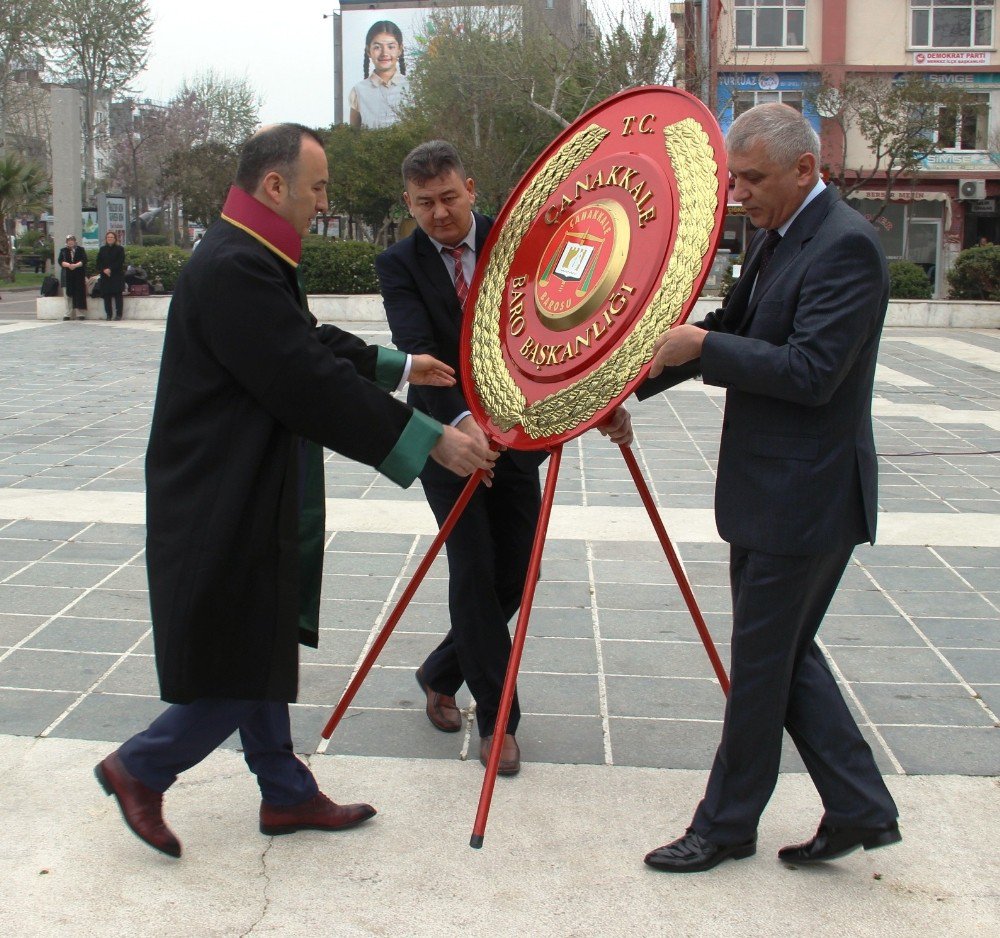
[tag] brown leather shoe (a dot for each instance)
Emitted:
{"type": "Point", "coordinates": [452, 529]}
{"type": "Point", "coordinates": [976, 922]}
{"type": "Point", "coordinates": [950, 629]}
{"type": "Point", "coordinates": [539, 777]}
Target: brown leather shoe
{"type": "Point", "coordinates": [141, 807]}
{"type": "Point", "coordinates": [442, 710]}
{"type": "Point", "coordinates": [510, 754]}
{"type": "Point", "coordinates": [319, 813]}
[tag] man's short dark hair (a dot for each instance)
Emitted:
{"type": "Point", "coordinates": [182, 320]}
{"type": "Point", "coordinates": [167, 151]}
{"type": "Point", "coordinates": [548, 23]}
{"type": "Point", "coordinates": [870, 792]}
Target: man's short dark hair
{"type": "Point", "coordinates": [272, 149]}
{"type": "Point", "coordinates": [431, 160]}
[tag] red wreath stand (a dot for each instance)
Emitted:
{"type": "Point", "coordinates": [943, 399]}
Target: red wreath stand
{"type": "Point", "coordinates": [560, 237]}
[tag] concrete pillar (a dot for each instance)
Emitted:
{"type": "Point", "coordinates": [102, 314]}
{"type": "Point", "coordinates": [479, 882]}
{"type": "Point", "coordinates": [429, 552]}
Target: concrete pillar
{"type": "Point", "coordinates": [66, 139]}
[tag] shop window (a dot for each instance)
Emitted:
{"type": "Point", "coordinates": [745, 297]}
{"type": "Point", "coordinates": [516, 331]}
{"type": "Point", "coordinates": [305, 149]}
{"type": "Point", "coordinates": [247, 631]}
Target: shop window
{"type": "Point", "coordinates": [965, 127]}
{"type": "Point", "coordinates": [951, 24]}
{"type": "Point", "coordinates": [744, 100]}
{"type": "Point", "coordinates": [770, 24]}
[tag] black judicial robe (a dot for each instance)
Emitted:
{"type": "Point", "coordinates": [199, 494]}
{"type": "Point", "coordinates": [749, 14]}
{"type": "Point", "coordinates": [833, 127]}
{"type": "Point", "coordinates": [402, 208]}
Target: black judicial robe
{"type": "Point", "coordinates": [246, 378]}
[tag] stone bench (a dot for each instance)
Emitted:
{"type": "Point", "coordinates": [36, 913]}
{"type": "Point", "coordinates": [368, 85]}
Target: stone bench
{"type": "Point", "coordinates": [926, 314]}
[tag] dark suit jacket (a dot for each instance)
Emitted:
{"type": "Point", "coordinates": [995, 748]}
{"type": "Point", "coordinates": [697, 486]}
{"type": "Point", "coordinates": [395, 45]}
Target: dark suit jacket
{"type": "Point", "coordinates": [425, 317]}
{"type": "Point", "coordinates": [797, 464]}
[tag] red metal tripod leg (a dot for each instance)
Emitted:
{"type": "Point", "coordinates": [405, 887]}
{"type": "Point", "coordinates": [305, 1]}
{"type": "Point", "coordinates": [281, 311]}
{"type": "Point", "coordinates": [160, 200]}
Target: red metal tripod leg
{"type": "Point", "coordinates": [517, 647]}
{"type": "Point", "coordinates": [402, 603]}
{"type": "Point", "coordinates": [675, 565]}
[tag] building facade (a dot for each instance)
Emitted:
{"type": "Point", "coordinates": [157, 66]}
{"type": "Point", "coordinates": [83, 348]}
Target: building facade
{"type": "Point", "coordinates": [784, 50]}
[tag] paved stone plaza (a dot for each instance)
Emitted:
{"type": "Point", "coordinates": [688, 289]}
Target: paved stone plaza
{"type": "Point", "coordinates": [613, 672]}
{"type": "Point", "coordinates": [621, 708]}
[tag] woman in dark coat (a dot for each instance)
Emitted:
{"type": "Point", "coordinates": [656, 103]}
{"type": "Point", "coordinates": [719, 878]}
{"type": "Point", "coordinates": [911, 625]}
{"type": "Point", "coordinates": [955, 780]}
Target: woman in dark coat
{"type": "Point", "coordinates": [111, 264]}
{"type": "Point", "coordinates": [73, 261]}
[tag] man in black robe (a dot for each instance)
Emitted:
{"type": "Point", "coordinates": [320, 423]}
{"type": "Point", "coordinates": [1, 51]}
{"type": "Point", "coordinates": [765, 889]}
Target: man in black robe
{"type": "Point", "coordinates": [250, 390]}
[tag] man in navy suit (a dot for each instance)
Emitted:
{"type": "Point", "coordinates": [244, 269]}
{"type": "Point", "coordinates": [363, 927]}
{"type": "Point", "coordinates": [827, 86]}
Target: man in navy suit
{"type": "Point", "coordinates": [795, 348]}
{"type": "Point", "coordinates": [424, 280]}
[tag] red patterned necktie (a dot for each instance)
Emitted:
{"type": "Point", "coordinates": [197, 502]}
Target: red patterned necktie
{"type": "Point", "coordinates": [461, 287]}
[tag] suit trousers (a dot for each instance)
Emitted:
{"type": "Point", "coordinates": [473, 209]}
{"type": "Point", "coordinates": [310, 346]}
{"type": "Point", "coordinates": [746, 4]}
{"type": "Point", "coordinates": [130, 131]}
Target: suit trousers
{"type": "Point", "coordinates": [488, 554]}
{"type": "Point", "coordinates": [184, 734]}
{"type": "Point", "coordinates": [779, 678]}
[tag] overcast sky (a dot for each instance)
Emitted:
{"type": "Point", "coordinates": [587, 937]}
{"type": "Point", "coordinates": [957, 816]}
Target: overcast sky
{"type": "Point", "coordinates": [285, 50]}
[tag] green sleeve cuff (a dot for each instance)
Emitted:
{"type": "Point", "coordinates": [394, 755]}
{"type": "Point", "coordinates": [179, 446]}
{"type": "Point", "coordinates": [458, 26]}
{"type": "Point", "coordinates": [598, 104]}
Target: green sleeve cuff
{"type": "Point", "coordinates": [412, 449]}
{"type": "Point", "coordinates": [389, 367]}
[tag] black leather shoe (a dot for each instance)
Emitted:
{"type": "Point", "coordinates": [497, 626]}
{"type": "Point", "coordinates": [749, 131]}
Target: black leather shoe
{"type": "Point", "coordinates": [693, 854]}
{"type": "Point", "coordinates": [831, 842]}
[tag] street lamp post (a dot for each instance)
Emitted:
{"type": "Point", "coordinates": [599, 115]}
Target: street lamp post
{"type": "Point", "coordinates": [338, 77]}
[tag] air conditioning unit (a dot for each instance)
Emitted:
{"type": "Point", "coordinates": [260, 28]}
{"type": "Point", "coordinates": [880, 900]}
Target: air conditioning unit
{"type": "Point", "coordinates": [972, 189]}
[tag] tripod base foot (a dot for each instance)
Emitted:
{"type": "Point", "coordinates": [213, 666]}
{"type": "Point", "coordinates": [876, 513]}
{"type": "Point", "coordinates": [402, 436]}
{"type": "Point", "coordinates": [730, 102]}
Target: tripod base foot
{"type": "Point", "coordinates": [476, 841]}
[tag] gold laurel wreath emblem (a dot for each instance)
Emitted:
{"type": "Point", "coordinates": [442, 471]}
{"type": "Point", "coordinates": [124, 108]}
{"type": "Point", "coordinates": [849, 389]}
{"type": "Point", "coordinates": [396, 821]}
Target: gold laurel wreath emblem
{"type": "Point", "coordinates": [693, 159]}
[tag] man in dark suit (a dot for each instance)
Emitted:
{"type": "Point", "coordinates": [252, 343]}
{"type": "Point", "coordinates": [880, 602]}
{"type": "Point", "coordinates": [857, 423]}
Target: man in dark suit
{"type": "Point", "coordinates": [250, 390]}
{"type": "Point", "coordinates": [425, 279]}
{"type": "Point", "coordinates": [795, 347]}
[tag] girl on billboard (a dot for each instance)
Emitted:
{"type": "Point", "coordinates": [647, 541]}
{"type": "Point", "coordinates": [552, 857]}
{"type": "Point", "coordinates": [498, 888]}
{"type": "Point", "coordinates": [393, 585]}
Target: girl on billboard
{"type": "Point", "coordinates": [375, 100]}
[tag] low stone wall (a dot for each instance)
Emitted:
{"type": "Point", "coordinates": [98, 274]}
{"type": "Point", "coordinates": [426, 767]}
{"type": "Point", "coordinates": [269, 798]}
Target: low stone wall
{"type": "Point", "coordinates": [338, 309]}
{"type": "Point", "coordinates": [927, 314]}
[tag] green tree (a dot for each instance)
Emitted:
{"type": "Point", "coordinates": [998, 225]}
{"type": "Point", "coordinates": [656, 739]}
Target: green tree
{"type": "Point", "coordinates": [25, 27]}
{"type": "Point", "coordinates": [500, 83]}
{"type": "Point", "coordinates": [898, 118]}
{"type": "Point", "coordinates": [100, 48]}
{"type": "Point", "coordinates": [23, 188]}
{"type": "Point", "coordinates": [365, 183]}
{"type": "Point", "coordinates": [200, 178]}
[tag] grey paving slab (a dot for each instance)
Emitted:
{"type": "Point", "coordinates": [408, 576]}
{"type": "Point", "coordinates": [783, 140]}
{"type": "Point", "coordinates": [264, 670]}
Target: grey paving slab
{"type": "Point", "coordinates": [661, 659]}
{"type": "Point", "coordinates": [961, 633]}
{"type": "Point", "coordinates": [14, 628]}
{"type": "Point", "coordinates": [77, 634]}
{"type": "Point", "coordinates": [921, 704]}
{"type": "Point", "coordinates": [679, 744]}
{"type": "Point", "coordinates": [109, 717]}
{"type": "Point", "coordinates": [29, 712]}
{"type": "Point", "coordinates": [967, 750]}
{"type": "Point", "coordinates": [904, 665]}
{"type": "Point", "coordinates": [894, 630]}
{"type": "Point", "coordinates": [43, 573]}
{"type": "Point", "coordinates": [977, 666]}
{"type": "Point", "coordinates": [53, 670]}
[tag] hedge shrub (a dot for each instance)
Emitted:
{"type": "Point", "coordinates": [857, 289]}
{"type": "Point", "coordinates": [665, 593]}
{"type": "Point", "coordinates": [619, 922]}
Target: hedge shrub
{"type": "Point", "coordinates": [326, 267]}
{"type": "Point", "coordinates": [163, 264]}
{"type": "Point", "coordinates": [976, 274]}
{"type": "Point", "coordinates": [908, 281]}
{"type": "Point", "coordinates": [338, 266]}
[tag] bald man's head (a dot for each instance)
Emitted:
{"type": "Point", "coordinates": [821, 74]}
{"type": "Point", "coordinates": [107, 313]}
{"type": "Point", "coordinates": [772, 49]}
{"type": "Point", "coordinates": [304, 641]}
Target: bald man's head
{"type": "Point", "coordinates": [274, 148]}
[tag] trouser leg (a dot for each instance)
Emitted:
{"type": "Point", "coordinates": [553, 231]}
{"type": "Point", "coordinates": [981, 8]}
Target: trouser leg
{"type": "Point", "coordinates": [778, 605]}
{"type": "Point", "coordinates": [107, 306]}
{"type": "Point", "coordinates": [181, 737]}
{"type": "Point", "coordinates": [836, 755]}
{"type": "Point", "coordinates": [267, 747]}
{"type": "Point", "coordinates": [119, 305]}
{"type": "Point", "coordinates": [488, 552]}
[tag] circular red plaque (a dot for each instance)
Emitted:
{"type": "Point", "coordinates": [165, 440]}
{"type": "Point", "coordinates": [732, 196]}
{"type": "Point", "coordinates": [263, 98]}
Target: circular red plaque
{"type": "Point", "coordinates": [603, 245]}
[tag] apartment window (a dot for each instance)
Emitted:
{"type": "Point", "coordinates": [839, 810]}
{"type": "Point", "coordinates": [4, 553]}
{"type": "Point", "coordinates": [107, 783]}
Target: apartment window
{"type": "Point", "coordinates": [965, 127]}
{"type": "Point", "coordinates": [768, 24]}
{"type": "Point", "coordinates": [951, 24]}
{"type": "Point", "coordinates": [744, 100]}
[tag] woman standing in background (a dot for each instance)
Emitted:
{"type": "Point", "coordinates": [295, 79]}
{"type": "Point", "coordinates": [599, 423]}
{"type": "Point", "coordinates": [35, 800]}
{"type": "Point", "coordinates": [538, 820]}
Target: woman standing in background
{"type": "Point", "coordinates": [111, 264]}
{"type": "Point", "coordinates": [73, 263]}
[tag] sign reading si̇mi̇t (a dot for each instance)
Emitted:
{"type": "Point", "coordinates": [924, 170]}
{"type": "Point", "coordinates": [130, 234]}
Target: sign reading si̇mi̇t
{"type": "Point", "coordinates": [603, 246]}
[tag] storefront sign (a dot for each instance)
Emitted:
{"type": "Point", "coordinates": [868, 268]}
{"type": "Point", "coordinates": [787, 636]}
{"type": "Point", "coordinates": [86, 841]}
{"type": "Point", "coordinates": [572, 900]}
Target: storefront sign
{"type": "Point", "coordinates": [952, 160]}
{"type": "Point", "coordinates": [950, 58]}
